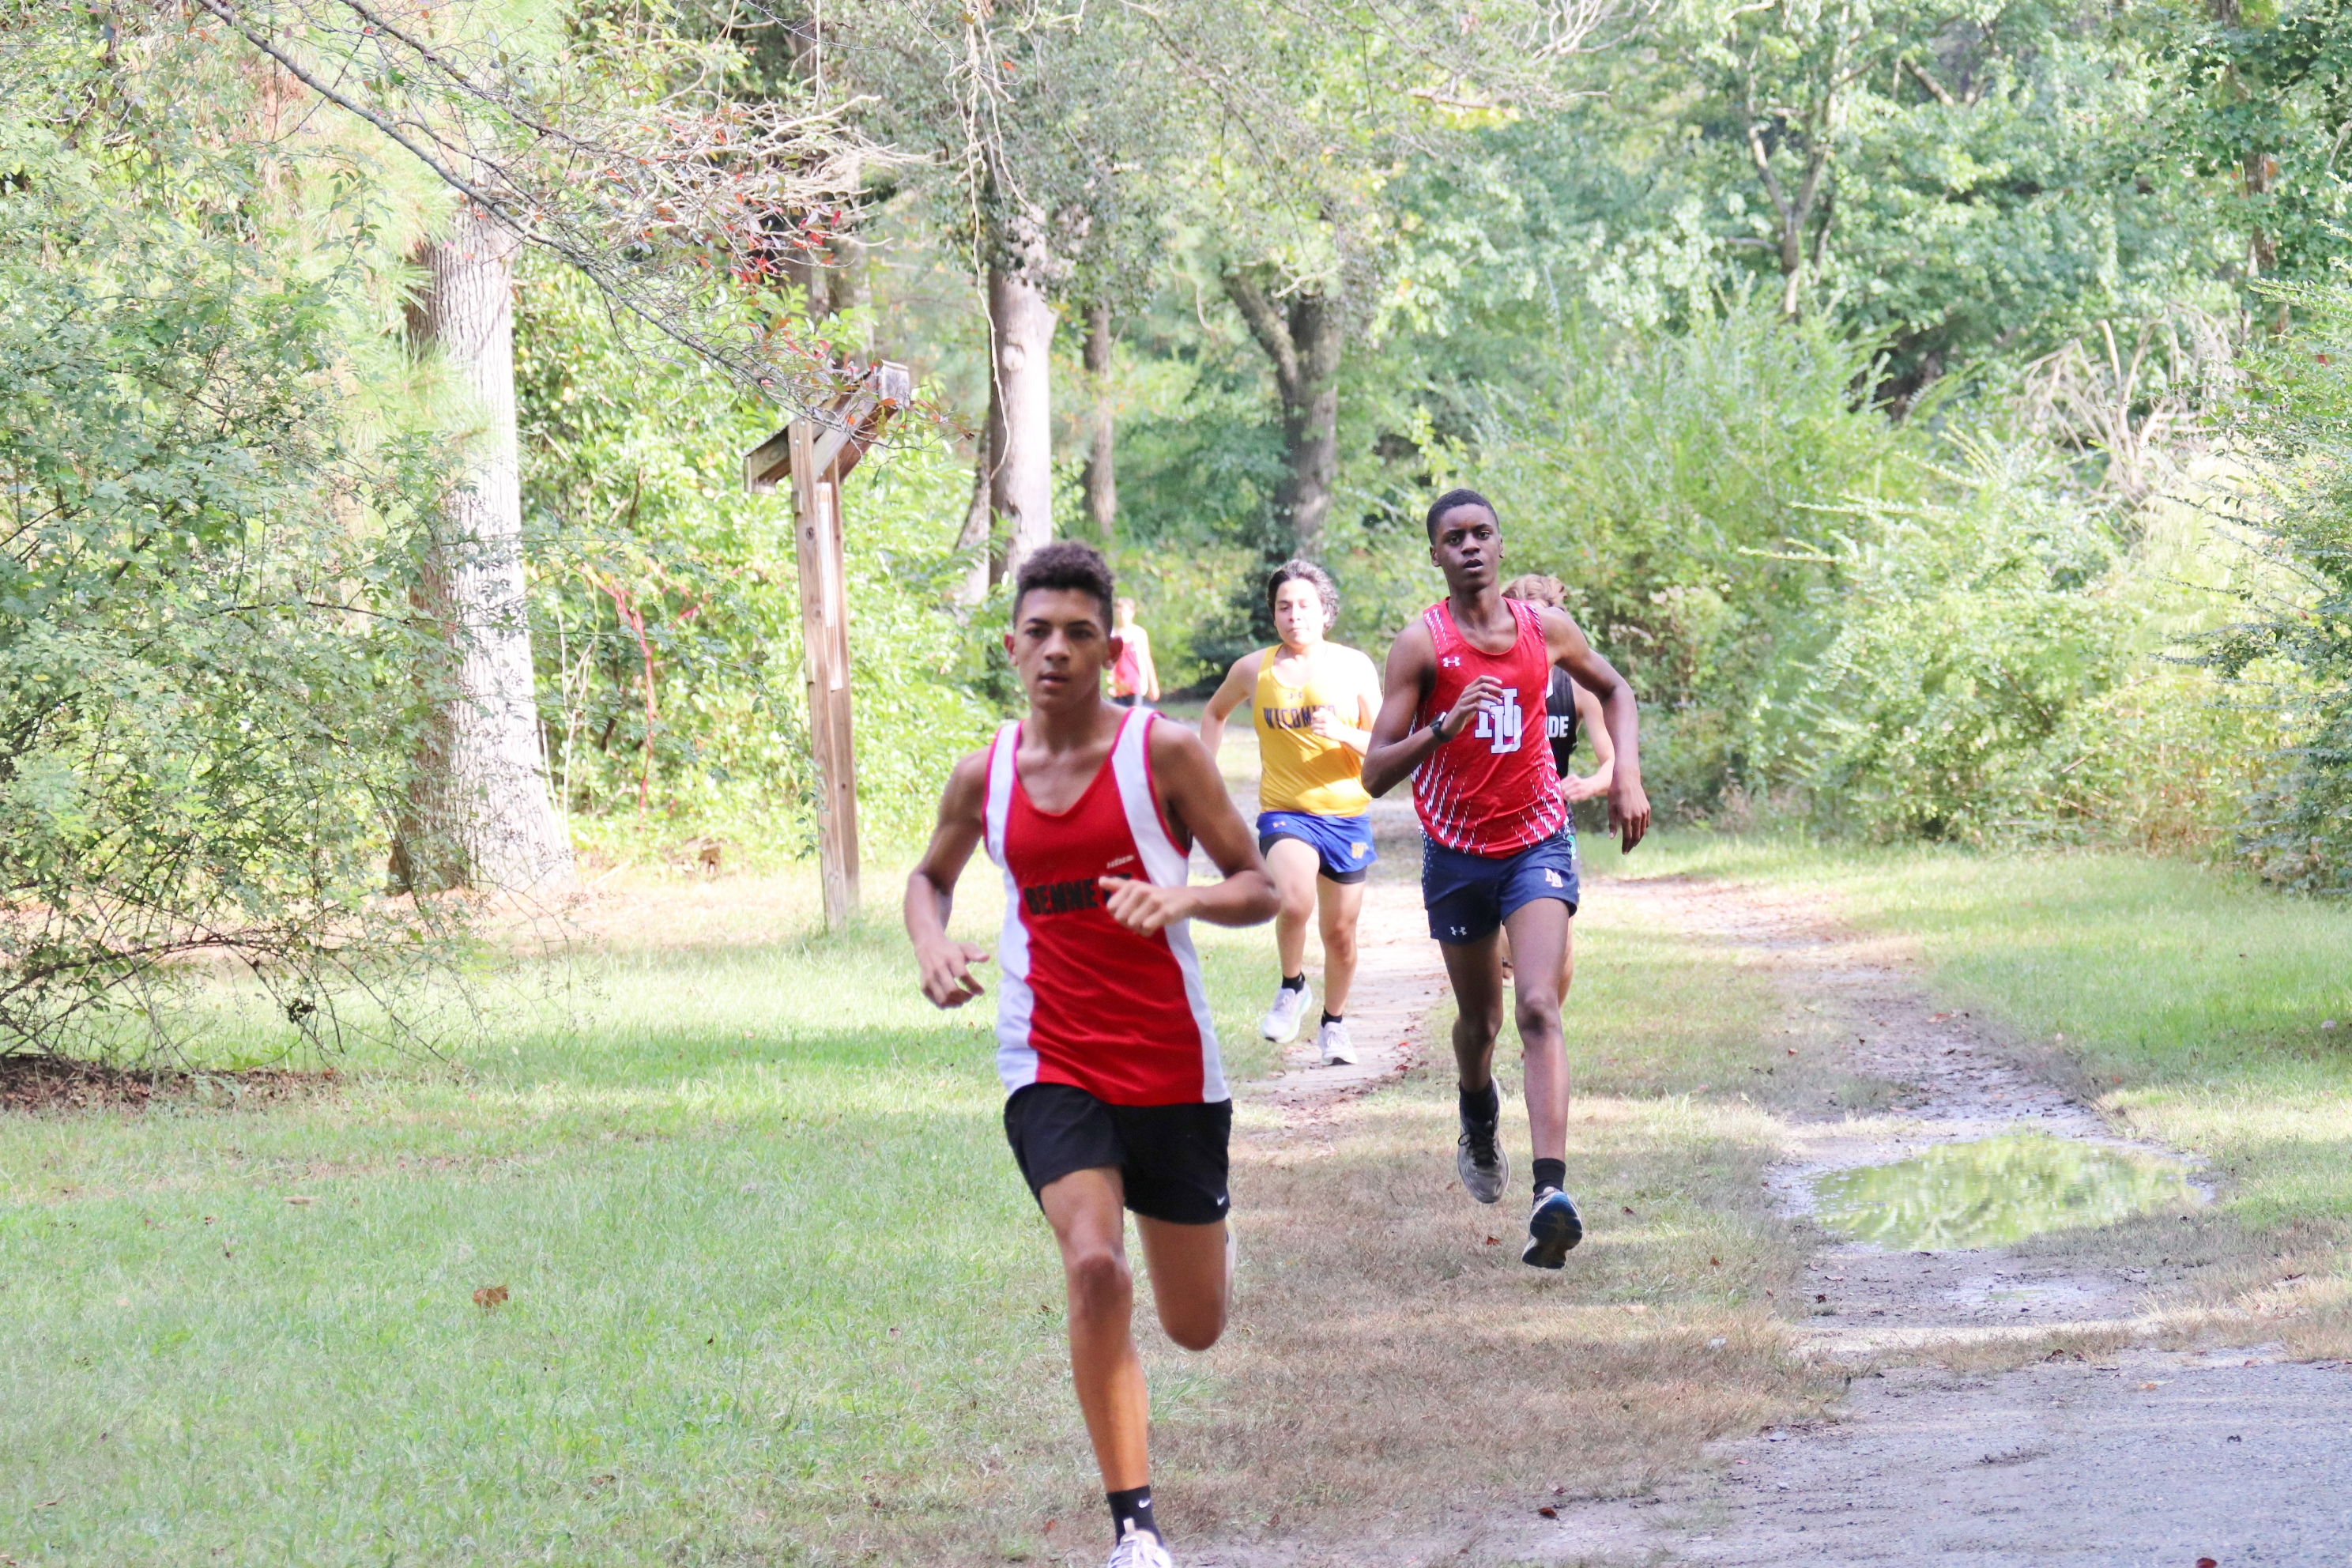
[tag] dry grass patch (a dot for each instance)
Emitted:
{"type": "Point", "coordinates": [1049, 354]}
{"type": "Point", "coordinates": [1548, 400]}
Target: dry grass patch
{"type": "Point", "coordinates": [1392, 1356]}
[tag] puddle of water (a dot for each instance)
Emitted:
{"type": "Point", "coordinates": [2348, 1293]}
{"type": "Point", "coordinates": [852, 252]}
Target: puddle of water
{"type": "Point", "coordinates": [1996, 1192]}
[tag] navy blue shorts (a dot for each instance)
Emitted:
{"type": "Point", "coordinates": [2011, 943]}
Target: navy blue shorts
{"type": "Point", "coordinates": [1344, 843]}
{"type": "Point", "coordinates": [1467, 896]}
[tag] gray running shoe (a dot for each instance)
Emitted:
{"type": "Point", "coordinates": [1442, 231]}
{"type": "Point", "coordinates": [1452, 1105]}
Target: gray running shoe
{"type": "Point", "coordinates": [1333, 1044]}
{"type": "Point", "coordinates": [1479, 1161]}
{"type": "Point", "coordinates": [1282, 1019]}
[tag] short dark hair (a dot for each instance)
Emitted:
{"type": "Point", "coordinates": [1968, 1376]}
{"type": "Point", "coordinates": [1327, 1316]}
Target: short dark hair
{"type": "Point", "coordinates": [1066, 564]}
{"type": "Point", "coordinates": [1315, 577]}
{"type": "Point", "coordinates": [1453, 498]}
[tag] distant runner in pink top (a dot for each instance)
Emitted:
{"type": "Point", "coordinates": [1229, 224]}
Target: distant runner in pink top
{"type": "Point", "coordinates": [1116, 1100]}
{"type": "Point", "coordinates": [1462, 712]}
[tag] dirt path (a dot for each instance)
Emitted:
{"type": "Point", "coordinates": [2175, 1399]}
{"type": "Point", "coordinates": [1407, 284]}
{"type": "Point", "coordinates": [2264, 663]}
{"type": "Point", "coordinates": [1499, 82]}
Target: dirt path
{"type": "Point", "coordinates": [2145, 1438]}
{"type": "Point", "coordinates": [2114, 1451]}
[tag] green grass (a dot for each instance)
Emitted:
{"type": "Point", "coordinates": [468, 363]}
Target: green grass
{"type": "Point", "coordinates": [776, 1286]}
{"type": "Point", "coordinates": [2191, 1001]}
{"type": "Point", "coordinates": [778, 1295]}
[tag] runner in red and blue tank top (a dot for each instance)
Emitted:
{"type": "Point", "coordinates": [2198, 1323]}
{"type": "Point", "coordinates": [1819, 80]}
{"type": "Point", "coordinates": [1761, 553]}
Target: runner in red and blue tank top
{"type": "Point", "coordinates": [1115, 1098]}
{"type": "Point", "coordinates": [1463, 713]}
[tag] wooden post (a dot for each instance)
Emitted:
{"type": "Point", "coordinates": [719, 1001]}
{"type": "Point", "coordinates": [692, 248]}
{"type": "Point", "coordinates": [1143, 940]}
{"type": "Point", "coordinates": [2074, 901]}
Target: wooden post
{"type": "Point", "coordinates": [824, 636]}
{"type": "Point", "coordinates": [817, 451]}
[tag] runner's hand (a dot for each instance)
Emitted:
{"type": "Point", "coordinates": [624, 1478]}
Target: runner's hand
{"type": "Point", "coordinates": [1628, 814]}
{"type": "Point", "coordinates": [947, 973]}
{"type": "Point", "coordinates": [1580, 787]}
{"type": "Point", "coordinates": [1144, 907]}
{"type": "Point", "coordinates": [1322, 722]}
{"type": "Point", "coordinates": [1474, 697]}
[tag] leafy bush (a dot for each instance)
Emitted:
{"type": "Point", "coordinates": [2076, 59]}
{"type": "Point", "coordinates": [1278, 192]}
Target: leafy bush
{"type": "Point", "coordinates": [1662, 476]}
{"type": "Point", "coordinates": [2293, 647]}
{"type": "Point", "coordinates": [667, 605]}
{"type": "Point", "coordinates": [207, 689]}
{"type": "Point", "coordinates": [1965, 638]}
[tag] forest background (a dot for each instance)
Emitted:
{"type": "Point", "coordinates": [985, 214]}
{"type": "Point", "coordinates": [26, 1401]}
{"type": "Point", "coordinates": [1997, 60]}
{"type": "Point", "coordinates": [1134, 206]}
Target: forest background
{"type": "Point", "coordinates": [1936, 411]}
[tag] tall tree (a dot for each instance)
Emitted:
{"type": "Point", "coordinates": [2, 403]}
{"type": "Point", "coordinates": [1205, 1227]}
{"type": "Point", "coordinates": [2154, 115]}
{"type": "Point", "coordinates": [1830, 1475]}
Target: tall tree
{"type": "Point", "coordinates": [623, 149]}
{"type": "Point", "coordinates": [1302, 336]}
{"type": "Point", "coordinates": [1021, 324]}
{"type": "Point", "coordinates": [1101, 478]}
{"type": "Point", "coordinates": [483, 815]}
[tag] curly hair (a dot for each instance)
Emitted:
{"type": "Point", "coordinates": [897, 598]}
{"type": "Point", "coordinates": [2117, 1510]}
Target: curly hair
{"type": "Point", "coordinates": [1537, 588]}
{"type": "Point", "coordinates": [1315, 577]}
{"type": "Point", "coordinates": [1066, 564]}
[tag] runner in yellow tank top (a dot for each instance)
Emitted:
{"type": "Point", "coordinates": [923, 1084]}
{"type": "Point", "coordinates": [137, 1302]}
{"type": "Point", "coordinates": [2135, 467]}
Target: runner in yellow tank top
{"type": "Point", "coordinates": [1312, 703]}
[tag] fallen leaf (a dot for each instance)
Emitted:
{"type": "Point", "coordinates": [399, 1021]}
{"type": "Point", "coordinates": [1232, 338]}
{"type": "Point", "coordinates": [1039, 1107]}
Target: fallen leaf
{"type": "Point", "coordinates": [1548, 1512]}
{"type": "Point", "coordinates": [299, 1201]}
{"type": "Point", "coordinates": [1792, 1050]}
{"type": "Point", "coordinates": [1627, 1207]}
{"type": "Point", "coordinates": [1493, 1242]}
{"type": "Point", "coordinates": [490, 1296]}
{"type": "Point", "coordinates": [1714, 1263]}
{"type": "Point", "coordinates": [2206, 1562]}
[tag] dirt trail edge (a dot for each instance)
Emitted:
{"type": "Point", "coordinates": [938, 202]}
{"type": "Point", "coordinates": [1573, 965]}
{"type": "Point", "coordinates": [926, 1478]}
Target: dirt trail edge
{"type": "Point", "coordinates": [2128, 1454]}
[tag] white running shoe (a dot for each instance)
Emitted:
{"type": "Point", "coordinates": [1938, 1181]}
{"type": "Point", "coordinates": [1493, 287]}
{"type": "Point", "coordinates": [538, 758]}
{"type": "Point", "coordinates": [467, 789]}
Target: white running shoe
{"type": "Point", "coordinates": [1282, 1019]}
{"type": "Point", "coordinates": [1333, 1043]}
{"type": "Point", "coordinates": [1138, 1549]}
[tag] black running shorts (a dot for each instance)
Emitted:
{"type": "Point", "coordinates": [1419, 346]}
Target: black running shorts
{"type": "Point", "coordinates": [1171, 1157]}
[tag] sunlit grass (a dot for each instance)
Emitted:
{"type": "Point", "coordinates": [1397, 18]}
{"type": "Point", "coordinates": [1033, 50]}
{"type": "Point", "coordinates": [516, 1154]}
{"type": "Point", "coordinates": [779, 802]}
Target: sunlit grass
{"type": "Point", "coordinates": [775, 1288]}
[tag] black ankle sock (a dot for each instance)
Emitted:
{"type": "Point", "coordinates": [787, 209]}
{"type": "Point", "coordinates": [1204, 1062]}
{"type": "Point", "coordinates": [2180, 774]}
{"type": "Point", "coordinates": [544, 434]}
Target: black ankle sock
{"type": "Point", "coordinates": [1294, 981]}
{"type": "Point", "coordinates": [1132, 1504]}
{"type": "Point", "coordinates": [1331, 1018]}
{"type": "Point", "coordinates": [1552, 1174]}
{"type": "Point", "coordinates": [1481, 1105]}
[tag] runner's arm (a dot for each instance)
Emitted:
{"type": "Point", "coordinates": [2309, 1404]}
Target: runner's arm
{"type": "Point", "coordinates": [1354, 732]}
{"type": "Point", "coordinates": [1230, 694]}
{"type": "Point", "coordinates": [1186, 782]}
{"type": "Point", "coordinates": [1594, 724]}
{"type": "Point", "coordinates": [946, 964]}
{"type": "Point", "coordinates": [1397, 748]}
{"type": "Point", "coordinates": [1629, 807]}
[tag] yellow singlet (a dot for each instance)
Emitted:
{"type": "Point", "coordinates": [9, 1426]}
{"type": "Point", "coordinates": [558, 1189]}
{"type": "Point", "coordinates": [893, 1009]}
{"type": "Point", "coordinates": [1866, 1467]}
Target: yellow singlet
{"type": "Point", "coordinates": [1299, 769]}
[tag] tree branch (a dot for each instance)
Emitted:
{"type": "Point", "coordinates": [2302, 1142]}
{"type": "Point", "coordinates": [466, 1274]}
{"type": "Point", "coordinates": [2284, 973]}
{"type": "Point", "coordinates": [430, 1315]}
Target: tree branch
{"type": "Point", "coordinates": [1273, 334]}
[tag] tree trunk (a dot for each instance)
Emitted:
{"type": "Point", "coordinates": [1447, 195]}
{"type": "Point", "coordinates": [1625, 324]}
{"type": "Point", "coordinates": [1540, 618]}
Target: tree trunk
{"type": "Point", "coordinates": [980, 574]}
{"type": "Point", "coordinates": [480, 813]}
{"type": "Point", "coordinates": [1102, 480]}
{"type": "Point", "coordinates": [1304, 340]}
{"type": "Point", "coordinates": [1021, 414]}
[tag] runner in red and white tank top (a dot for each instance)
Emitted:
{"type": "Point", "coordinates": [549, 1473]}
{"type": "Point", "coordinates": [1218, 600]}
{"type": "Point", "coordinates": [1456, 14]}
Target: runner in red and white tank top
{"type": "Point", "coordinates": [1492, 789]}
{"type": "Point", "coordinates": [1088, 1002]}
{"type": "Point", "coordinates": [1462, 712]}
{"type": "Point", "coordinates": [1115, 1099]}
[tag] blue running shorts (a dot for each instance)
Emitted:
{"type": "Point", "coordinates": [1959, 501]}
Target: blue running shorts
{"type": "Point", "coordinates": [1467, 896]}
{"type": "Point", "coordinates": [1344, 843]}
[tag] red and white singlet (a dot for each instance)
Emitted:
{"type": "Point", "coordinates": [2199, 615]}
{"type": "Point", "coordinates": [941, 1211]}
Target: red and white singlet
{"type": "Point", "coordinates": [1491, 790]}
{"type": "Point", "coordinates": [1083, 999]}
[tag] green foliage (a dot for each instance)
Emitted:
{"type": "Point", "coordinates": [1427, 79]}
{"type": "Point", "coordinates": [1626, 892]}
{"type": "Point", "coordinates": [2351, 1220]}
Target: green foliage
{"type": "Point", "coordinates": [1660, 474]}
{"type": "Point", "coordinates": [1966, 639]}
{"type": "Point", "coordinates": [2297, 637]}
{"type": "Point", "coordinates": [666, 601]}
{"type": "Point", "coordinates": [2264, 97]}
{"type": "Point", "coordinates": [206, 693]}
